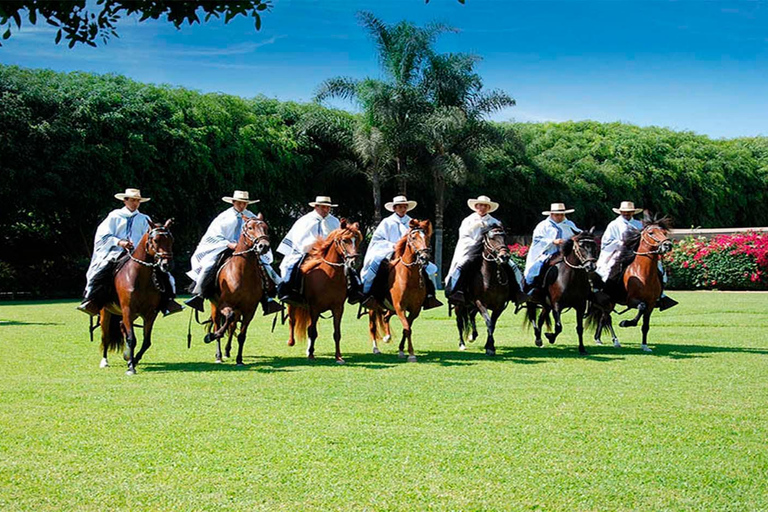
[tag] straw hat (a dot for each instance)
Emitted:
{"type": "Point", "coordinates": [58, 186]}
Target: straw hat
{"type": "Point", "coordinates": [400, 200]}
{"type": "Point", "coordinates": [483, 200]}
{"type": "Point", "coordinates": [322, 201]}
{"type": "Point", "coordinates": [557, 208]}
{"type": "Point", "coordinates": [239, 195]}
{"type": "Point", "coordinates": [132, 193]}
{"type": "Point", "coordinates": [627, 206]}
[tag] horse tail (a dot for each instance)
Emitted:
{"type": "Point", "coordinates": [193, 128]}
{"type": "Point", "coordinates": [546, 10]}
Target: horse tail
{"type": "Point", "coordinates": [462, 318]}
{"type": "Point", "coordinates": [301, 320]}
{"type": "Point", "coordinates": [592, 317]}
{"type": "Point", "coordinates": [378, 327]}
{"type": "Point", "coordinates": [113, 341]}
{"type": "Point", "coordinates": [530, 316]}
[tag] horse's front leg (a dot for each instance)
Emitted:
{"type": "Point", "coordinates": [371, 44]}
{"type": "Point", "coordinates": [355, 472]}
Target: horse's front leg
{"type": "Point", "coordinates": [539, 323]}
{"type": "Point", "coordinates": [490, 345]}
{"type": "Point", "coordinates": [291, 326]}
{"type": "Point", "coordinates": [312, 333]}
{"type": "Point", "coordinates": [609, 322]}
{"type": "Point", "coordinates": [388, 336]}
{"type": "Point", "coordinates": [337, 314]}
{"type": "Point", "coordinates": [244, 323]}
{"type": "Point", "coordinates": [646, 326]}
{"type": "Point", "coordinates": [149, 321]}
{"type": "Point", "coordinates": [106, 333]}
{"type": "Point", "coordinates": [461, 319]}
{"type": "Point", "coordinates": [130, 340]}
{"type": "Point", "coordinates": [401, 314]}
{"type": "Point", "coordinates": [413, 315]}
{"type": "Point", "coordinates": [580, 327]}
{"type": "Point", "coordinates": [552, 336]}
{"type": "Point", "coordinates": [473, 323]}
{"type": "Point", "coordinates": [641, 307]}
{"type": "Point", "coordinates": [373, 330]}
{"type": "Point", "coordinates": [230, 334]}
{"type": "Point", "coordinates": [488, 326]}
{"type": "Point", "coordinates": [599, 328]}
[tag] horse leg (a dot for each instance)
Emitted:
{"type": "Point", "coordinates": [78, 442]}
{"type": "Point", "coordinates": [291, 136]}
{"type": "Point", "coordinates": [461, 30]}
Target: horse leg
{"type": "Point", "coordinates": [228, 318]}
{"type": "Point", "coordinates": [130, 341]}
{"type": "Point", "coordinates": [488, 326]}
{"type": "Point", "coordinates": [460, 320]}
{"type": "Point", "coordinates": [388, 336]}
{"type": "Point", "coordinates": [413, 315]}
{"type": "Point", "coordinates": [490, 345]}
{"type": "Point", "coordinates": [230, 334]}
{"type": "Point", "coordinates": [552, 336]}
{"type": "Point", "coordinates": [406, 332]}
{"type": "Point", "coordinates": [615, 338]}
{"type": "Point", "coordinates": [580, 328]}
{"type": "Point", "coordinates": [291, 326]}
{"type": "Point", "coordinates": [337, 313]}
{"type": "Point", "coordinates": [599, 329]}
{"type": "Point", "coordinates": [472, 322]}
{"type": "Point", "coordinates": [312, 334]}
{"type": "Point", "coordinates": [372, 330]}
{"type": "Point", "coordinates": [641, 307]}
{"type": "Point", "coordinates": [646, 326]}
{"type": "Point", "coordinates": [244, 323]}
{"type": "Point", "coordinates": [538, 325]}
{"type": "Point", "coordinates": [149, 321]}
{"type": "Point", "coordinates": [106, 320]}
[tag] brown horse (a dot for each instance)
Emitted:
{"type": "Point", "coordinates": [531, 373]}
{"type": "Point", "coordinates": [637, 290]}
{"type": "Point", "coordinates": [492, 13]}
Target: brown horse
{"type": "Point", "coordinates": [635, 281]}
{"type": "Point", "coordinates": [325, 285]}
{"type": "Point", "coordinates": [139, 294]}
{"type": "Point", "coordinates": [406, 288]}
{"type": "Point", "coordinates": [241, 284]}
{"type": "Point", "coordinates": [490, 287]}
{"type": "Point", "coordinates": [569, 279]}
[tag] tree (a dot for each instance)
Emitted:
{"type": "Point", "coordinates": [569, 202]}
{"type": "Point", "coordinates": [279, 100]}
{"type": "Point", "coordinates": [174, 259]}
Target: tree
{"type": "Point", "coordinates": [78, 23]}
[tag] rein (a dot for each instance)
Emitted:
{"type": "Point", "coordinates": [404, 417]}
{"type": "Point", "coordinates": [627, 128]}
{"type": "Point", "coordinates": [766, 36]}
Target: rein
{"type": "Point", "coordinates": [582, 260]}
{"type": "Point", "coordinates": [494, 254]}
{"type": "Point", "coordinates": [348, 258]}
{"type": "Point", "coordinates": [159, 255]}
{"type": "Point", "coordinates": [253, 240]}
{"type": "Point", "coordinates": [658, 249]}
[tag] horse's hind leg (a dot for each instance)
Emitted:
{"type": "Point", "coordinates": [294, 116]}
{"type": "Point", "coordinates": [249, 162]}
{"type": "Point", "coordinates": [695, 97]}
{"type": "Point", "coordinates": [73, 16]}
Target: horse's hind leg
{"type": "Point", "coordinates": [291, 326]}
{"type": "Point", "coordinates": [337, 313]}
{"type": "Point", "coordinates": [641, 307]}
{"type": "Point", "coordinates": [552, 336]}
{"type": "Point", "coordinates": [609, 323]}
{"type": "Point", "coordinates": [388, 336]}
{"type": "Point", "coordinates": [538, 325]}
{"type": "Point", "coordinates": [599, 329]}
{"type": "Point", "coordinates": [106, 320]}
{"type": "Point", "coordinates": [312, 334]}
{"type": "Point", "coordinates": [489, 350]}
{"type": "Point", "coordinates": [130, 341]}
{"type": "Point", "coordinates": [230, 334]}
{"type": "Point", "coordinates": [490, 344]}
{"type": "Point", "coordinates": [228, 318]}
{"type": "Point", "coordinates": [580, 328]}
{"type": "Point", "coordinates": [461, 318]}
{"type": "Point", "coordinates": [646, 326]}
{"type": "Point", "coordinates": [147, 341]}
{"type": "Point", "coordinates": [245, 322]}
{"type": "Point", "coordinates": [473, 323]}
{"type": "Point", "coordinates": [372, 330]}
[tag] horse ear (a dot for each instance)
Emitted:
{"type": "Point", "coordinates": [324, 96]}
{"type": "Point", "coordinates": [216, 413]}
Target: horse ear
{"type": "Point", "coordinates": [168, 223]}
{"type": "Point", "coordinates": [343, 223]}
{"type": "Point", "coordinates": [647, 219]}
{"type": "Point", "coordinates": [592, 230]}
{"type": "Point", "coordinates": [413, 224]}
{"type": "Point", "coordinates": [427, 226]}
{"type": "Point", "coordinates": [260, 216]}
{"type": "Point", "coordinates": [355, 226]}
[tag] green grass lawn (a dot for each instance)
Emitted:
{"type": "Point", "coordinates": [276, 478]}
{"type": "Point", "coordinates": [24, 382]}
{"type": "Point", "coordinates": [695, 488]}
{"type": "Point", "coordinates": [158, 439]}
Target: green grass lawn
{"type": "Point", "coordinates": [683, 428]}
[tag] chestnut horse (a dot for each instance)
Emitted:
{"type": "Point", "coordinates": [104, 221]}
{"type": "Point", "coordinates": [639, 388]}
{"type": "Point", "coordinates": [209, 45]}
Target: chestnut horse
{"type": "Point", "coordinates": [568, 283]}
{"type": "Point", "coordinates": [489, 287]}
{"type": "Point", "coordinates": [325, 285]}
{"type": "Point", "coordinates": [406, 288]}
{"type": "Point", "coordinates": [241, 282]}
{"type": "Point", "coordinates": [635, 280]}
{"type": "Point", "coordinates": [139, 294]}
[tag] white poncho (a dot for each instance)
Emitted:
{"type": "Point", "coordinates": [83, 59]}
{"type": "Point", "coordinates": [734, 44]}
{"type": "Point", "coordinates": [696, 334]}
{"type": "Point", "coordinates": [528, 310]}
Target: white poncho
{"type": "Point", "coordinates": [610, 246]}
{"type": "Point", "coordinates": [543, 245]}
{"type": "Point", "coordinates": [300, 238]}
{"type": "Point", "coordinates": [120, 224]}
{"type": "Point", "coordinates": [225, 229]}
{"type": "Point", "coordinates": [470, 234]}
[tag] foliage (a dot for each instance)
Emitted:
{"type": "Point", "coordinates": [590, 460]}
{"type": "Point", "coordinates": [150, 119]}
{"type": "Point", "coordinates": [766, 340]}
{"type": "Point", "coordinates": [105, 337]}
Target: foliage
{"type": "Point", "coordinates": [681, 429]}
{"type": "Point", "coordinates": [726, 262]}
{"type": "Point", "coordinates": [80, 23]}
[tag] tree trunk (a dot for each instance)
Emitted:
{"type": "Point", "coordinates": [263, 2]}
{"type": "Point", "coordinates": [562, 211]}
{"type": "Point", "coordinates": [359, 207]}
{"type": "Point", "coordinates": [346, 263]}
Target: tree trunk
{"type": "Point", "coordinates": [402, 180]}
{"type": "Point", "coordinates": [439, 181]}
{"type": "Point", "coordinates": [376, 185]}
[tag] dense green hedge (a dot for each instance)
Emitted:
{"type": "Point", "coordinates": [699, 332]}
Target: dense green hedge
{"type": "Point", "coordinates": [68, 142]}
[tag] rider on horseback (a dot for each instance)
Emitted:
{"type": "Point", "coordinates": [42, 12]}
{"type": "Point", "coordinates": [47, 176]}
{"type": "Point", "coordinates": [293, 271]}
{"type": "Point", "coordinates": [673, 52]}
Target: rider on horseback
{"type": "Point", "coordinates": [382, 246]}
{"type": "Point", "coordinates": [549, 235]}
{"type": "Point", "coordinates": [470, 235]}
{"type": "Point", "coordinates": [305, 232]}
{"type": "Point", "coordinates": [612, 243]}
{"type": "Point", "coordinates": [116, 237]}
{"type": "Point", "coordinates": [222, 235]}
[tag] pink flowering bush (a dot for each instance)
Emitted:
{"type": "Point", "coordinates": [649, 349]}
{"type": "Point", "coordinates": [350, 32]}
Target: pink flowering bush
{"type": "Point", "coordinates": [726, 262]}
{"type": "Point", "coordinates": [519, 252]}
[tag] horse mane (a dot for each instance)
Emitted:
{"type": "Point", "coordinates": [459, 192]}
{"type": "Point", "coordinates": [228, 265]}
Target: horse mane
{"type": "Point", "coordinates": [400, 246]}
{"type": "Point", "coordinates": [320, 247]}
{"type": "Point", "coordinates": [476, 250]}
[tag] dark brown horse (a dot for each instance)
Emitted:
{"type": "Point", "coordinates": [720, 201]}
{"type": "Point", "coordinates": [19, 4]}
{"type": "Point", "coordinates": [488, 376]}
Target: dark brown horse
{"type": "Point", "coordinates": [635, 280]}
{"type": "Point", "coordinates": [139, 294]}
{"type": "Point", "coordinates": [489, 287]}
{"type": "Point", "coordinates": [325, 286]}
{"type": "Point", "coordinates": [241, 284]}
{"type": "Point", "coordinates": [569, 279]}
{"type": "Point", "coordinates": [406, 288]}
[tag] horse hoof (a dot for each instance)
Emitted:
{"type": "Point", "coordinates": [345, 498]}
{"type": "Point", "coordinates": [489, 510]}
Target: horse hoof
{"type": "Point", "coordinates": [598, 342]}
{"type": "Point", "coordinates": [490, 352]}
{"type": "Point", "coordinates": [472, 338]}
{"type": "Point", "coordinates": [130, 371]}
{"type": "Point", "coordinates": [208, 338]}
{"type": "Point", "coordinates": [218, 361]}
{"type": "Point", "coordinates": [616, 344]}
{"type": "Point", "coordinates": [646, 348]}
{"type": "Point", "coordinates": [376, 350]}
{"type": "Point", "coordinates": [550, 337]}
{"type": "Point", "coordinates": [340, 361]}
{"type": "Point", "coordinates": [311, 357]}
{"type": "Point", "coordinates": [401, 354]}
{"type": "Point", "coordinates": [387, 338]}
{"type": "Point", "coordinates": [462, 347]}
{"type": "Point", "coordinates": [104, 363]}
{"type": "Point", "coordinates": [539, 343]}
{"type": "Point", "coordinates": [240, 364]}
{"type": "Point", "coordinates": [291, 343]}
{"type": "Point", "coordinates": [411, 359]}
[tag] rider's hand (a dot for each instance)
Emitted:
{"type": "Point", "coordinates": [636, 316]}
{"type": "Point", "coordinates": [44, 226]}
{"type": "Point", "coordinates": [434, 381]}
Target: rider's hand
{"type": "Point", "coordinates": [558, 241]}
{"type": "Point", "coordinates": [232, 245]}
{"type": "Point", "coordinates": [125, 244]}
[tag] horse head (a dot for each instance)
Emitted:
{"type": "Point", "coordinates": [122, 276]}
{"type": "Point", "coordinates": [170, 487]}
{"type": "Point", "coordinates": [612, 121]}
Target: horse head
{"type": "Point", "coordinates": [160, 245]}
{"type": "Point", "coordinates": [418, 237]}
{"type": "Point", "coordinates": [655, 234]}
{"type": "Point", "coordinates": [585, 248]}
{"type": "Point", "coordinates": [495, 245]}
{"type": "Point", "coordinates": [256, 233]}
{"type": "Point", "coordinates": [347, 240]}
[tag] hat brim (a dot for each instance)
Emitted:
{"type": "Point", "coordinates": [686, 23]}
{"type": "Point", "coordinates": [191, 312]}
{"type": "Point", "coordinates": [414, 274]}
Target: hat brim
{"type": "Point", "coordinates": [391, 205]}
{"type": "Point", "coordinates": [231, 200]}
{"type": "Point", "coordinates": [123, 197]}
{"type": "Point", "coordinates": [313, 204]}
{"type": "Point", "coordinates": [493, 206]}
{"type": "Point", "coordinates": [570, 210]}
{"type": "Point", "coordinates": [634, 211]}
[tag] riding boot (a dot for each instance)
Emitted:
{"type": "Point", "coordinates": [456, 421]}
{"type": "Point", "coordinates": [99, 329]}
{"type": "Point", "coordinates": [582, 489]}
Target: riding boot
{"type": "Point", "coordinates": [270, 305]}
{"type": "Point", "coordinates": [430, 301]}
{"type": "Point", "coordinates": [354, 286]}
{"type": "Point", "coordinates": [665, 302]}
{"type": "Point", "coordinates": [196, 302]}
{"type": "Point", "coordinates": [454, 292]}
{"type": "Point", "coordinates": [288, 291]}
{"type": "Point", "coordinates": [171, 306]}
{"type": "Point", "coordinates": [89, 307]}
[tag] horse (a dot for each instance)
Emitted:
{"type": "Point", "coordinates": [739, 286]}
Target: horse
{"type": "Point", "coordinates": [139, 294]}
{"type": "Point", "coordinates": [325, 286]}
{"type": "Point", "coordinates": [488, 288]}
{"type": "Point", "coordinates": [635, 280]}
{"type": "Point", "coordinates": [241, 283]}
{"type": "Point", "coordinates": [568, 283]}
{"type": "Point", "coordinates": [406, 289]}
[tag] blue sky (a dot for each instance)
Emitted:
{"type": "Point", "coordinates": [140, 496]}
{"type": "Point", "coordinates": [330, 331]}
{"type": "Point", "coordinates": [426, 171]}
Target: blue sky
{"type": "Point", "coordinates": [687, 65]}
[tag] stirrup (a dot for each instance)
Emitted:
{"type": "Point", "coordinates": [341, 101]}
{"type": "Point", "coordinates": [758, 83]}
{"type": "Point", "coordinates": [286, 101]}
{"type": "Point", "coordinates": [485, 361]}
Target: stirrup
{"type": "Point", "coordinates": [665, 302]}
{"type": "Point", "coordinates": [431, 302]}
{"type": "Point", "coordinates": [196, 302]}
{"type": "Point", "coordinates": [172, 307]}
{"type": "Point", "coordinates": [269, 307]}
{"type": "Point", "coordinates": [89, 308]}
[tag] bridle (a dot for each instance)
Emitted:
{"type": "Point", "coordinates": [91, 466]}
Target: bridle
{"type": "Point", "coordinates": [657, 246]}
{"type": "Point", "coordinates": [159, 256]}
{"type": "Point", "coordinates": [496, 253]}
{"type": "Point", "coordinates": [348, 258]}
{"type": "Point", "coordinates": [582, 259]}
{"type": "Point", "coordinates": [254, 240]}
{"type": "Point", "coordinates": [421, 256]}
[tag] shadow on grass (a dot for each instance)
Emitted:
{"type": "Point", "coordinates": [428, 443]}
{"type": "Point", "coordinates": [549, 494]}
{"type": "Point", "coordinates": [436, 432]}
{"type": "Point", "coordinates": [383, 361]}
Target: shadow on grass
{"type": "Point", "coordinates": [692, 351]}
{"type": "Point", "coordinates": [4, 323]}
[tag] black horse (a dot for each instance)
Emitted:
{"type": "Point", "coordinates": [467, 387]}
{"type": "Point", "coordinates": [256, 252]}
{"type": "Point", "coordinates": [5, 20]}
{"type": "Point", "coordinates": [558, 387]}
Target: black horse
{"type": "Point", "coordinates": [568, 281]}
{"type": "Point", "coordinates": [490, 286]}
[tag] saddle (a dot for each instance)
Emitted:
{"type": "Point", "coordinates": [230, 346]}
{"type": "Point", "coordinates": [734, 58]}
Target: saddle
{"type": "Point", "coordinates": [380, 287]}
{"type": "Point", "coordinates": [210, 285]}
